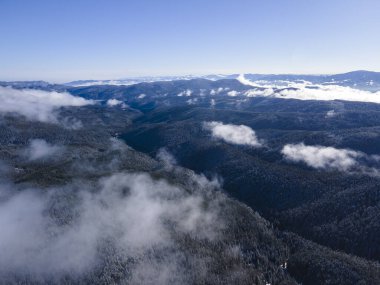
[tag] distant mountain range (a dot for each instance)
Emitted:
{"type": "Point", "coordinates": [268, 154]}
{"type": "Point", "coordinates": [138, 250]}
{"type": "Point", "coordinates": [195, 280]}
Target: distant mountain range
{"type": "Point", "coordinates": [135, 80]}
{"type": "Point", "coordinates": [363, 79]}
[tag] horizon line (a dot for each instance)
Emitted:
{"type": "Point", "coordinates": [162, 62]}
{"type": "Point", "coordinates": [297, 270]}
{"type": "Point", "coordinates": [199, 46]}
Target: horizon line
{"type": "Point", "coordinates": [189, 75]}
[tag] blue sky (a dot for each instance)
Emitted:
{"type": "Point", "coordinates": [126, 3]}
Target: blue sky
{"type": "Point", "coordinates": [98, 39]}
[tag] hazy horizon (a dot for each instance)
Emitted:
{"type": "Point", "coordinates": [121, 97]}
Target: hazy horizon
{"type": "Point", "coordinates": [178, 75]}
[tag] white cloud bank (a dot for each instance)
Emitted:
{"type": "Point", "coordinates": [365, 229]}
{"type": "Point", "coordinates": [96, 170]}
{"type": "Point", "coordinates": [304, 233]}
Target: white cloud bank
{"type": "Point", "coordinates": [37, 105]}
{"type": "Point", "coordinates": [307, 91]}
{"type": "Point", "coordinates": [330, 92]}
{"type": "Point", "coordinates": [234, 134]}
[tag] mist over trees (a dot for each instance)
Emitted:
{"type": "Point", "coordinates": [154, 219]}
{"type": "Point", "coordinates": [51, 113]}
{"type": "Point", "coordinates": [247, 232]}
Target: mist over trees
{"type": "Point", "coordinates": [152, 189]}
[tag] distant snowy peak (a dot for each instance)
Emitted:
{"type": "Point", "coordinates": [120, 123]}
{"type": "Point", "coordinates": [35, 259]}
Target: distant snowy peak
{"type": "Point", "coordinates": [126, 81]}
{"type": "Point", "coordinates": [25, 84]}
{"type": "Point", "coordinates": [136, 80]}
{"type": "Point", "coordinates": [366, 80]}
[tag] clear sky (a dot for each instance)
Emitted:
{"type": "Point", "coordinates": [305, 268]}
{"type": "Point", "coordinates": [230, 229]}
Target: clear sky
{"type": "Point", "coordinates": [61, 40]}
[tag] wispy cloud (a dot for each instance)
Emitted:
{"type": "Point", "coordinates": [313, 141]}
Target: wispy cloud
{"type": "Point", "coordinates": [127, 216]}
{"type": "Point", "coordinates": [37, 105]}
{"type": "Point", "coordinates": [164, 156]}
{"type": "Point", "coordinates": [235, 134]}
{"type": "Point", "coordinates": [187, 92]}
{"type": "Point", "coordinates": [40, 149]}
{"type": "Point", "coordinates": [192, 101]}
{"type": "Point", "coordinates": [217, 91]}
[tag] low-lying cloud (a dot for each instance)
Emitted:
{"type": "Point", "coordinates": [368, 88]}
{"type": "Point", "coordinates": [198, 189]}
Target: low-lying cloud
{"type": "Point", "coordinates": [40, 149]}
{"type": "Point", "coordinates": [233, 93]}
{"type": "Point", "coordinates": [321, 157]}
{"type": "Point", "coordinates": [218, 91]}
{"type": "Point", "coordinates": [129, 217]}
{"type": "Point", "coordinates": [192, 101]}
{"type": "Point", "coordinates": [114, 102]}
{"type": "Point", "coordinates": [164, 156]}
{"type": "Point", "coordinates": [186, 92]}
{"type": "Point", "coordinates": [241, 78]}
{"type": "Point", "coordinates": [304, 90]}
{"type": "Point", "coordinates": [234, 134]}
{"type": "Point", "coordinates": [330, 92]}
{"type": "Point", "coordinates": [37, 105]}
{"type": "Point", "coordinates": [330, 114]}
{"type": "Point", "coordinates": [331, 158]}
